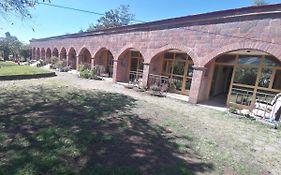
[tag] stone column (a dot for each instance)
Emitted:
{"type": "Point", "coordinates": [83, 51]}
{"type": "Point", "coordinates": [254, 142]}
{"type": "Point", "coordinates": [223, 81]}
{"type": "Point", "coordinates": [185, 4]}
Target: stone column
{"type": "Point", "coordinates": [67, 60]}
{"type": "Point", "coordinates": [92, 63]}
{"type": "Point", "coordinates": [145, 74]}
{"type": "Point", "coordinates": [114, 75]}
{"type": "Point", "coordinates": [196, 84]}
{"type": "Point", "coordinates": [77, 62]}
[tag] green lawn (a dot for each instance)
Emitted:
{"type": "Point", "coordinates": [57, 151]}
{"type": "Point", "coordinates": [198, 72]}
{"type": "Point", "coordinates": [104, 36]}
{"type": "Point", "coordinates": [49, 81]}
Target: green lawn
{"type": "Point", "coordinates": [20, 70]}
{"type": "Point", "coordinates": [47, 130]}
{"type": "Point", "coordinates": [53, 127]}
{"type": "Point", "coordinates": [7, 63]}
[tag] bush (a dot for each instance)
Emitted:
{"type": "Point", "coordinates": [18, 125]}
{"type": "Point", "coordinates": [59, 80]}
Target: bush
{"type": "Point", "coordinates": [85, 74]}
{"type": "Point", "coordinates": [56, 63]}
{"type": "Point", "coordinates": [88, 73]}
{"type": "Point", "coordinates": [65, 69]}
{"type": "Point", "coordinates": [81, 67]}
{"type": "Point", "coordinates": [155, 88]}
{"type": "Point", "coordinates": [41, 63]}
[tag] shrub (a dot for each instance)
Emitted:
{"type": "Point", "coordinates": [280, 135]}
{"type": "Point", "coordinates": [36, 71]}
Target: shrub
{"type": "Point", "coordinates": [233, 110]}
{"type": "Point", "coordinates": [155, 88]}
{"type": "Point", "coordinates": [56, 63]}
{"type": "Point", "coordinates": [41, 63]}
{"type": "Point", "coordinates": [81, 67]}
{"type": "Point", "coordinates": [88, 73]}
{"type": "Point", "coordinates": [65, 69]}
{"type": "Point", "coordinates": [85, 74]}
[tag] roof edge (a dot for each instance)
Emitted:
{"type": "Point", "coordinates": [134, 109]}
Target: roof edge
{"type": "Point", "coordinates": [219, 14]}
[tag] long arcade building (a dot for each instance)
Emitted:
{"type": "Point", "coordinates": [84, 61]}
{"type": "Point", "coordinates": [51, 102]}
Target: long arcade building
{"type": "Point", "coordinates": [233, 56]}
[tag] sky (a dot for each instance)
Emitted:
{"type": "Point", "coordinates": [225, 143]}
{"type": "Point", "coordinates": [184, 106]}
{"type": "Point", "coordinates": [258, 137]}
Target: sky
{"type": "Point", "coordinates": [50, 21]}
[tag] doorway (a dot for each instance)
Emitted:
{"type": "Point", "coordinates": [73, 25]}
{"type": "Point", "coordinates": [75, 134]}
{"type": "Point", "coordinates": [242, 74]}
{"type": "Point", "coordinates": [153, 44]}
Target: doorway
{"type": "Point", "coordinates": [221, 84]}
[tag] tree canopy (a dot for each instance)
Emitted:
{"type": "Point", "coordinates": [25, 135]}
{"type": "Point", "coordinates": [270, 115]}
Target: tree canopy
{"type": "Point", "coordinates": [260, 2]}
{"type": "Point", "coordinates": [20, 7]}
{"type": "Point", "coordinates": [114, 18]}
{"type": "Point", "coordinates": [10, 45]}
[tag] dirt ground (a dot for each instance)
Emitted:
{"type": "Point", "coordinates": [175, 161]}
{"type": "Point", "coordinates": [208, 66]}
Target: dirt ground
{"type": "Point", "coordinates": [182, 135]}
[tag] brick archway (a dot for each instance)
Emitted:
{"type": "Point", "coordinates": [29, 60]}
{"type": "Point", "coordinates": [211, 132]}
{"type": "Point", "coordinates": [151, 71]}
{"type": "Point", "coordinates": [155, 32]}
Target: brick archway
{"type": "Point", "coordinates": [264, 47]}
{"type": "Point", "coordinates": [55, 52]}
{"type": "Point", "coordinates": [63, 54]}
{"type": "Point", "coordinates": [38, 53]}
{"type": "Point", "coordinates": [43, 54]}
{"type": "Point", "coordinates": [189, 51]}
{"type": "Point", "coordinates": [85, 57]}
{"type": "Point", "coordinates": [131, 46]}
{"type": "Point", "coordinates": [123, 68]}
{"type": "Point", "coordinates": [72, 58]}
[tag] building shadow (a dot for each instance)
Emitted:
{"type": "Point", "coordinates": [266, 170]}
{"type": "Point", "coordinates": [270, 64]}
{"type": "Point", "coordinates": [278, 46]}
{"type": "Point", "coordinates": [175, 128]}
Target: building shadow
{"type": "Point", "coordinates": [60, 130]}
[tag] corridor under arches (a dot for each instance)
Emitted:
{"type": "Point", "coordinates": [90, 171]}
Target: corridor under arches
{"type": "Point", "coordinates": [173, 70]}
{"type": "Point", "coordinates": [241, 77]}
{"type": "Point", "coordinates": [130, 67]}
{"type": "Point", "coordinates": [85, 58]}
{"type": "Point", "coordinates": [104, 60]}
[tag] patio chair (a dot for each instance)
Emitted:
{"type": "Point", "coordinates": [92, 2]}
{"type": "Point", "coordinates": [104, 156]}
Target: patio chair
{"type": "Point", "coordinates": [271, 111]}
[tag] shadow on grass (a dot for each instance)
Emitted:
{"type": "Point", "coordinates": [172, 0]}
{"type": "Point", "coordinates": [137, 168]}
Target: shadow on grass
{"type": "Point", "coordinates": [60, 130]}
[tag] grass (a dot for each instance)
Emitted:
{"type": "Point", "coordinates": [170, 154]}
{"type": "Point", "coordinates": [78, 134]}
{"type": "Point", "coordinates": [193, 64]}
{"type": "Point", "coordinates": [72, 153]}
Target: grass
{"type": "Point", "coordinates": [20, 70]}
{"type": "Point", "coordinates": [47, 130]}
{"type": "Point", "coordinates": [7, 63]}
{"type": "Point", "coordinates": [54, 128]}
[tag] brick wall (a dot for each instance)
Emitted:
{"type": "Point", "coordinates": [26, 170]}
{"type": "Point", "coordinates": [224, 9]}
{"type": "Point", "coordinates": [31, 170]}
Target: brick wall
{"type": "Point", "coordinates": [202, 41]}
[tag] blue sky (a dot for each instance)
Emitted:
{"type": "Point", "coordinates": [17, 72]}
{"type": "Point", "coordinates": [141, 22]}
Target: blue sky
{"type": "Point", "coordinates": [50, 21]}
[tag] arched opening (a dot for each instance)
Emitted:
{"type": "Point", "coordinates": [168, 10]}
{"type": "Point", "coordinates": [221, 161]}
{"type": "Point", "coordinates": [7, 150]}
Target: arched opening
{"type": "Point", "coordinates": [38, 54]}
{"type": "Point", "coordinates": [172, 69]}
{"type": "Point", "coordinates": [130, 67]}
{"type": "Point", "coordinates": [104, 60]}
{"type": "Point", "coordinates": [48, 54]}
{"type": "Point", "coordinates": [55, 53]}
{"type": "Point", "coordinates": [72, 58]}
{"type": "Point", "coordinates": [63, 54]}
{"type": "Point", "coordinates": [43, 54]}
{"type": "Point", "coordinates": [242, 77]}
{"type": "Point", "coordinates": [85, 58]}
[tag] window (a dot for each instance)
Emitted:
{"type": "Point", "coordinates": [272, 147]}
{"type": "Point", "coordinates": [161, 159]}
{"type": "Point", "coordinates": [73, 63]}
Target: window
{"type": "Point", "coordinates": [246, 75]}
{"type": "Point", "coordinates": [249, 60]}
{"type": "Point", "coordinates": [265, 77]}
{"type": "Point", "coordinates": [271, 61]}
{"type": "Point", "coordinates": [277, 80]}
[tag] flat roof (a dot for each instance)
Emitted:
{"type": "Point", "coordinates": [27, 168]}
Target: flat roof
{"type": "Point", "coordinates": [179, 21]}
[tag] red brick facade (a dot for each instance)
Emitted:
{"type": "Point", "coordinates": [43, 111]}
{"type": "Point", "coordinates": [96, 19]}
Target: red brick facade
{"type": "Point", "coordinates": [203, 37]}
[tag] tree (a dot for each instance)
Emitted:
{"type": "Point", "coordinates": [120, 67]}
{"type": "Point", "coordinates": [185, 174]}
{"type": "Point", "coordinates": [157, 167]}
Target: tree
{"type": "Point", "coordinates": [10, 45]}
{"type": "Point", "coordinates": [18, 6]}
{"type": "Point", "coordinates": [25, 51]}
{"type": "Point", "coordinates": [114, 18]}
{"type": "Point", "coordinates": [260, 2]}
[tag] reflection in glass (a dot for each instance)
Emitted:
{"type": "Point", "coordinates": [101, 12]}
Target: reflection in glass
{"type": "Point", "coordinates": [249, 60]}
{"type": "Point", "coordinates": [226, 59]}
{"type": "Point", "coordinates": [246, 75]}
{"type": "Point", "coordinates": [179, 68]}
{"type": "Point", "coordinates": [277, 80]}
{"type": "Point", "coordinates": [169, 55]}
{"type": "Point", "coordinates": [271, 61]}
{"type": "Point", "coordinates": [188, 84]}
{"type": "Point", "coordinates": [265, 78]}
{"type": "Point", "coordinates": [181, 57]}
{"type": "Point", "coordinates": [190, 70]}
